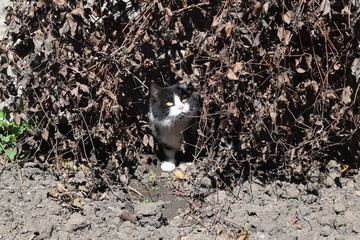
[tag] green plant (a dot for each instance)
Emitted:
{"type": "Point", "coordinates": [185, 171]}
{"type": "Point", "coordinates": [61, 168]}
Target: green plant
{"type": "Point", "coordinates": [153, 179]}
{"type": "Point", "coordinates": [155, 187]}
{"type": "Point", "coordinates": [170, 180]}
{"type": "Point", "coordinates": [9, 133]}
{"type": "Point", "coordinates": [153, 176]}
{"type": "Point", "coordinates": [145, 201]}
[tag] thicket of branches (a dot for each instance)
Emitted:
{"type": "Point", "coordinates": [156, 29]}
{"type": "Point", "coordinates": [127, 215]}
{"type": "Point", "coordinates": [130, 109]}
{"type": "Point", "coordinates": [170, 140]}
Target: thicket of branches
{"type": "Point", "coordinates": [278, 80]}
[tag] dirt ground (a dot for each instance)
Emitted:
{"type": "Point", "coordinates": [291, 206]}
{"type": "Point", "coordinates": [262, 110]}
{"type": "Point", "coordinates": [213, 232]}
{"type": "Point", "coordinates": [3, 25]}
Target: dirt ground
{"type": "Point", "coordinates": [326, 208]}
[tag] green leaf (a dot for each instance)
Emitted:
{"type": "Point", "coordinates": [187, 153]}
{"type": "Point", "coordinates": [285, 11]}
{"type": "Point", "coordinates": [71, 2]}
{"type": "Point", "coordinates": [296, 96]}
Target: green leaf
{"type": "Point", "coordinates": [8, 139]}
{"type": "Point", "coordinates": [2, 114]}
{"type": "Point", "coordinates": [4, 123]}
{"type": "Point", "coordinates": [11, 152]}
{"type": "Point", "coordinates": [5, 139]}
{"type": "Point", "coordinates": [2, 147]}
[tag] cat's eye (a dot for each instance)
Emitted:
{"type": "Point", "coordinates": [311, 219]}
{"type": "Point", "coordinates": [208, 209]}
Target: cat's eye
{"type": "Point", "coordinates": [184, 100]}
{"type": "Point", "coordinates": [169, 104]}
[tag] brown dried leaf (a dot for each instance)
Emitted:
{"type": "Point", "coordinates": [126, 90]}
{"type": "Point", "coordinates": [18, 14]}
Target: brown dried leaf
{"type": "Point", "coordinates": [38, 40]}
{"type": "Point", "coordinates": [45, 134]}
{"type": "Point", "coordinates": [78, 12]}
{"type": "Point", "coordinates": [325, 7]}
{"type": "Point", "coordinates": [77, 203]}
{"type": "Point", "coordinates": [151, 142]}
{"type": "Point", "coordinates": [229, 236]}
{"type": "Point", "coordinates": [244, 234]}
{"type": "Point", "coordinates": [145, 140]}
{"type": "Point", "coordinates": [59, 2]}
{"type": "Point", "coordinates": [283, 99]}
{"type": "Point", "coordinates": [346, 95]}
{"type": "Point", "coordinates": [238, 67]}
{"type": "Point", "coordinates": [228, 28]}
{"type": "Point", "coordinates": [179, 174]}
{"type": "Point", "coordinates": [72, 24]}
{"type": "Point", "coordinates": [17, 118]}
{"type": "Point", "coordinates": [61, 187]}
{"type": "Point", "coordinates": [218, 229]}
{"type": "Point", "coordinates": [288, 16]}
{"type": "Point", "coordinates": [186, 237]}
{"type": "Point", "coordinates": [168, 14]}
{"type": "Point", "coordinates": [84, 88]}
{"type": "Point", "coordinates": [308, 60]}
{"type": "Point", "coordinates": [53, 193]}
{"type": "Point", "coordinates": [355, 69]}
{"type": "Point", "coordinates": [215, 22]}
{"type": "Point", "coordinates": [84, 189]}
{"type": "Point", "coordinates": [266, 7]}
{"type": "Point", "coordinates": [331, 95]}
{"type": "Point", "coordinates": [231, 75]}
{"type": "Point", "coordinates": [287, 37]}
{"type": "Point", "coordinates": [280, 33]}
{"type": "Point", "coordinates": [300, 70]}
{"type": "Point", "coordinates": [75, 91]}
{"type": "Point", "coordinates": [257, 9]}
{"type": "Point", "coordinates": [65, 28]}
{"type": "Point", "coordinates": [346, 10]}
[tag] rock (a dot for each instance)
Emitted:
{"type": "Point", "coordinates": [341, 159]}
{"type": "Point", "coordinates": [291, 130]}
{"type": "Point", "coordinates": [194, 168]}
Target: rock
{"type": "Point", "coordinates": [332, 164]}
{"type": "Point", "coordinates": [167, 232]}
{"type": "Point", "coordinates": [291, 191]}
{"type": "Point", "coordinates": [77, 222]}
{"type": "Point", "coordinates": [205, 182]}
{"type": "Point", "coordinates": [325, 231]}
{"type": "Point", "coordinates": [126, 216]}
{"type": "Point", "coordinates": [339, 208]}
{"type": "Point", "coordinates": [310, 198]}
{"type": "Point", "coordinates": [127, 228]}
{"type": "Point", "coordinates": [329, 181]}
{"type": "Point", "coordinates": [222, 196]}
{"type": "Point", "coordinates": [148, 209]}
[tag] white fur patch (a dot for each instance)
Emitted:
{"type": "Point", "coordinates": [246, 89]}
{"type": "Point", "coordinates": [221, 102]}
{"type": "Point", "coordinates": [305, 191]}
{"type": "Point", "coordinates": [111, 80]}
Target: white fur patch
{"type": "Point", "coordinates": [167, 166]}
{"type": "Point", "coordinates": [179, 107]}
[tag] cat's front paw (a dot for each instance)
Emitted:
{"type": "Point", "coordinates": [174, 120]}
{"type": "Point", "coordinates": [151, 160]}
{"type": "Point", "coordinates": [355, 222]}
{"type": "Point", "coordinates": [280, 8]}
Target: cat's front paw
{"type": "Point", "coordinates": [167, 166]}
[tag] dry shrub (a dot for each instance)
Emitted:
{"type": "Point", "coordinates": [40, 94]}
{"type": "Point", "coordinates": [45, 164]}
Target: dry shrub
{"type": "Point", "coordinates": [279, 83]}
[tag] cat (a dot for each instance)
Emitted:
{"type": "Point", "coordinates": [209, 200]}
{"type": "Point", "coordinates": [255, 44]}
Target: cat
{"type": "Point", "coordinates": [173, 114]}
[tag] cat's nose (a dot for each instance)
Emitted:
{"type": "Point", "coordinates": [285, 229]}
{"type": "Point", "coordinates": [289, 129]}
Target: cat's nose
{"type": "Point", "coordinates": [181, 108]}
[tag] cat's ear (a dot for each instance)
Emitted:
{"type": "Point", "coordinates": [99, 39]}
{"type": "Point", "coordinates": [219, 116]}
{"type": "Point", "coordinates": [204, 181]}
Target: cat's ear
{"type": "Point", "coordinates": [187, 86]}
{"type": "Point", "coordinates": [154, 90]}
{"type": "Point", "coordinates": [183, 86]}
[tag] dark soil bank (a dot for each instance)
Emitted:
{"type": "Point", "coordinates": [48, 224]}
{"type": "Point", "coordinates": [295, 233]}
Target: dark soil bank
{"type": "Point", "coordinates": [280, 210]}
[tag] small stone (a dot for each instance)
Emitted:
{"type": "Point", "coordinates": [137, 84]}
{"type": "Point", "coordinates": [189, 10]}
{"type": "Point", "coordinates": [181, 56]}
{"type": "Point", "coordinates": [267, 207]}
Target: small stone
{"type": "Point", "coordinates": [222, 196]}
{"type": "Point", "coordinates": [77, 222]}
{"type": "Point", "coordinates": [148, 209]}
{"type": "Point", "coordinates": [333, 165]}
{"type": "Point", "coordinates": [291, 191]}
{"type": "Point", "coordinates": [329, 181]}
{"type": "Point", "coordinates": [310, 199]}
{"type": "Point", "coordinates": [325, 231]}
{"type": "Point", "coordinates": [205, 182]}
{"type": "Point", "coordinates": [126, 216]}
{"type": "Point", "coordinates": [339, 208]}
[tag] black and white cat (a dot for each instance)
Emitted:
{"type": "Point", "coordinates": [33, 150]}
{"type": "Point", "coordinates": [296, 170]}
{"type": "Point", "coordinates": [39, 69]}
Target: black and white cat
{"type": "Point", "coordinates": [172, 115]}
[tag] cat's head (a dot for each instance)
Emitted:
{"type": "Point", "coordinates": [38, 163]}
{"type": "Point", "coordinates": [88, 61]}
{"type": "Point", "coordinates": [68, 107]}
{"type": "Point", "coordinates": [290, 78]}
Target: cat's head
{"type": "Point", "coordinates": [169, 104]}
